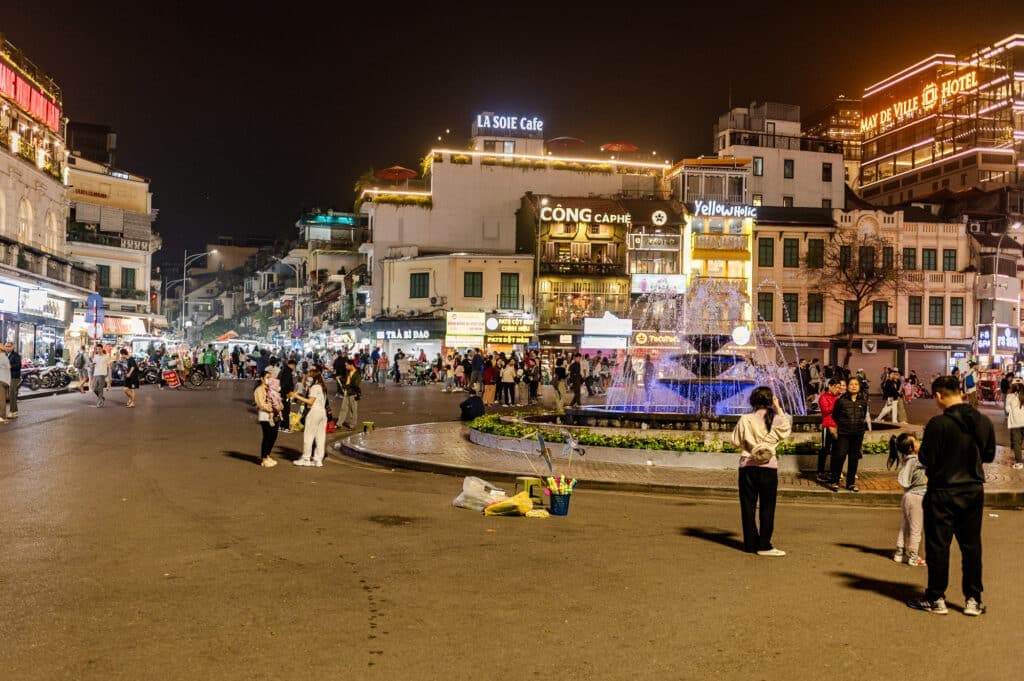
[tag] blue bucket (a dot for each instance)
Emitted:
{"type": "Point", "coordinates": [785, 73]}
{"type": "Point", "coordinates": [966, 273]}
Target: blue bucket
{"type": "Point", "coordinates": [560, 504]}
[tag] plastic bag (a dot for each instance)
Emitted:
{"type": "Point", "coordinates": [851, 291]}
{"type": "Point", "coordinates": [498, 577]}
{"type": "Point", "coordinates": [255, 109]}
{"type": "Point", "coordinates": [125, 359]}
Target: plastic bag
{"type": "Point", "coordinates": [477, 494]}
{"type": "Point", "coordinates": [520, 504]}
{"type": "Point", "coordinates": [295, 422]}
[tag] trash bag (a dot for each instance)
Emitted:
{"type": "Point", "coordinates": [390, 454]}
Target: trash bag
{"type": "Point", "coordinates": [520, 504]}
{"type": "Point", "coordinates": [477, 493]}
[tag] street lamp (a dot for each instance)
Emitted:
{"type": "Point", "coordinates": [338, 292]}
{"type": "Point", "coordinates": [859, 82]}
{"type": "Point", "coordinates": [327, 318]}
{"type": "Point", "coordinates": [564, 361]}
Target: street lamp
{"type": "Point", "coordinates": [184, 283]}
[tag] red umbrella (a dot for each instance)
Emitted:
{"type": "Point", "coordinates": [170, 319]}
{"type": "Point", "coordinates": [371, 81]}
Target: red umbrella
{"type": "Point", "coordinates": [563, 143]}
{"type": "Point", "coordinates": [619, 146]}
{"type": "Point", "coordinates": [396, 173]}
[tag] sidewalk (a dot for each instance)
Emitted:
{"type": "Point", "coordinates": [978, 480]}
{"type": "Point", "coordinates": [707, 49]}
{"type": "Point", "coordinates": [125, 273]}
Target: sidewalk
{"type": "Point", "coordinates": [444, 448]}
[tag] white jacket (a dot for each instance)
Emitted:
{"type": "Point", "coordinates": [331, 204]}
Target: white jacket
{"type": "Point", "coordinates": [750, 433]}
{"type": "Point", "coordinates": [1014, 412]}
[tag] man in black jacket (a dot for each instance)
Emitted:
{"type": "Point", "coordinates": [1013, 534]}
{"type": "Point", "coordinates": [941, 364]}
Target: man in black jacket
{"type": "Point", "coordinates": [471, 407]}
{"type": "Point", "coordinates": [955, 444]}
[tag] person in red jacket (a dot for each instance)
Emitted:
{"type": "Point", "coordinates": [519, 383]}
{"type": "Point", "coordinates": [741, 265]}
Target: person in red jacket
{"type": "Point", "coordinates": [826, 402]}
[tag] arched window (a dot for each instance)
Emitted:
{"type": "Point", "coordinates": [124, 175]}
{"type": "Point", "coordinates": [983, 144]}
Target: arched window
{"type": "Point", "coordinates": [25, 222]}
{"type": "Point", "coordinates": [51, 239]}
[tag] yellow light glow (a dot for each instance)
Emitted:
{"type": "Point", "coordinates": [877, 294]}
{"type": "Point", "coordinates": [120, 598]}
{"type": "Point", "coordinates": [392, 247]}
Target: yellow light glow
{"type": "Point", "coordinates": [550, 157]}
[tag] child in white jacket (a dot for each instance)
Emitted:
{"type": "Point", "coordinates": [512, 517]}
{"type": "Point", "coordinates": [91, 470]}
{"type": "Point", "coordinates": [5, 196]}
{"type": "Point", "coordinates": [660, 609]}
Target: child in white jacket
{"type": "Point", "coordinates": [1015, 421]}
{"type": "Point", "coordinates": [914, 482]}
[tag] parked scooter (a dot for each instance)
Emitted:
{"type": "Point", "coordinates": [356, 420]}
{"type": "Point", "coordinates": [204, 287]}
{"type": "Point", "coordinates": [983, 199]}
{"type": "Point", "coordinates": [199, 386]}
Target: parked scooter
{"type": "Point", "coordinates": [29, 376]}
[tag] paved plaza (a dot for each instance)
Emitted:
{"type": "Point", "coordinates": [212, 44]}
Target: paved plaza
{"type": "Point", "coordinates": [146, 544]}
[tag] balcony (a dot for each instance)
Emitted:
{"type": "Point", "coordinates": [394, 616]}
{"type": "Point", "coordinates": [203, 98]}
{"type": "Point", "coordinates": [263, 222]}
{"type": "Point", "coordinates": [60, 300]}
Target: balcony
{"type": "Point", "coordinates": [721, 242]}
{"type": "Point", "coordinates": [122, 293]}
{"type": "Point", "coordinates": [79, 232]}
{"type": "Point", "coordinates": [873, 328]}
{"type": "Point", "coordinates": [583, 268]}
{"type": "Point", "coordinates": [738, 283]}
{"type": "Point", "coordinates": [746, 138]}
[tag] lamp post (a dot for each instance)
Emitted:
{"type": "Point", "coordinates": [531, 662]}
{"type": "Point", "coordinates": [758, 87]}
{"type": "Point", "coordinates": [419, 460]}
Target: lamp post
{"type": "Point", "coordinates": [184, 283]}
{"type": "Point", "coordinates": [995, 292]}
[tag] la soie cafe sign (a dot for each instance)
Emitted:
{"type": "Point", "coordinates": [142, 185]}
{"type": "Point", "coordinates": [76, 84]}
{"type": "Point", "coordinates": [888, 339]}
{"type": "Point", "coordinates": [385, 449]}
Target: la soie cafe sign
{"type": "Point", "coordinates": [931, 94]}
{"type": "Point", "coordinates": [506, 123]}
{"type": "Point", "coordinates": [588, 215]}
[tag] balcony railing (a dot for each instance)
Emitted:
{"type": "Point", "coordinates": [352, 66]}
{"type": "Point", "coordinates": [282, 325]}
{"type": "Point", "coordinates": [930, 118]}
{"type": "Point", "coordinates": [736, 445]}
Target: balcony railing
{"type": "Point", "coordinates": [874, 328]}
{"type": "Point", "coordinates": [598, 269]}
{"type": "Point", "coordinates": [737, 283]}
{"type": "Point", "coordinates": [77, 232]}
{"type": "Point", "coordinates": [122, 293]}
{"type": "Point", "coordinates": [721, 197]}
{"type": "Point", "coordinates": [762, 139]}
{"type": "Point", "coordinates": [506, 301]}
{"type": "Point", "coordinates": [721, 242]}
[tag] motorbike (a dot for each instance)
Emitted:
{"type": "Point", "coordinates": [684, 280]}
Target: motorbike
{"type": "Point", "coordinates": [55, 376]}
{"type": "Point", "coordinates": [149, 372]}
{"type": "Point", "coordinates": [29, 376]}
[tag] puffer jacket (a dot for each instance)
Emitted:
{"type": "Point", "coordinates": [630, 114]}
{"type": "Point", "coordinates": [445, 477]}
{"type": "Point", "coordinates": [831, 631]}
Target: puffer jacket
{"type": "Point", "coordinates": [851, 415]}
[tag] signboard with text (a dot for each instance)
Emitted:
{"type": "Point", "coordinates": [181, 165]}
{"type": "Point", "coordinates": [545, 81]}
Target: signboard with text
{"type": "Point", "coordinates": [465, 323]}
{"type": "Point", "coordinates": [647, 283]}
{"type": "Point", "coordinates": [8, 298]}
{"type": "Point", "coordinates": [509, 330]}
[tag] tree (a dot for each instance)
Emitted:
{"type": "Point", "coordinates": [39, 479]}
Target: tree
{"type": "Point", "coordinates": [856, 268]}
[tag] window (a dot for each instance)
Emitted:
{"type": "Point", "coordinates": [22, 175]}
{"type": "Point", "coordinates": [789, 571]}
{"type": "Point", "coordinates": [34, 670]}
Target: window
{"type": "Point", "coordinates": [850, 312]}
{"type": "Point", "coordinates": [104, 271]}
{"type": "Point", "coordinates": [472, 284]}
{"type": "Point", "coordinates": [766, 306]}
{"type": "Point", "coordinates": [866, 260]}
{"type": "Point", "coordinates": [791, 253]}
{"type": "Point", "coordinates": [815, 307]}
{"type": "Point", "coordinates": [787, 168]}
{"type": "Point", "coordinates": [910, 258]}
{"type": "Point", "coordinates": [887, 257]}
{"type": "Point", "coordinates": [816, 253]}
{"type": "Point", "coordinates": [826, 172]}
{"type": "Point", "coordinates": [936, 311]}
{"type": "Point", "coordinates": [758, 166]}
{"type": "Point", "coordinates": [879, 315]}
{"type": "Point", "coordinates": [790, 306]}
{"type": "Point", "coordinates": [914, 310]}
{"type": "Point", "coordinates": [509, 296]}
{"type": "Point", "coordinates": [845, 256]}
{"type": "Point", "coordinates": [949, 260]}
{"type": "Point", "coordinates": [826, 203]}
{"type": "Point", "coordinates": [489, 145]}
{"type": "Point", "coordinates": [787, 201]}
{"type": "Point", "coordinates": [509, 147]}
{"type": "Point", "coordinates": [928, 259]}
{"type": "Point", "coordinates": [128, 278]}
{"type": "Point", "coordinates": [956, 311]}
{"type": "Point", "coordinates": [419, 285]}
{"type": "Point", "coordinates": [766, 252]}
{"type": "Point", "coordinates": [758, 199]}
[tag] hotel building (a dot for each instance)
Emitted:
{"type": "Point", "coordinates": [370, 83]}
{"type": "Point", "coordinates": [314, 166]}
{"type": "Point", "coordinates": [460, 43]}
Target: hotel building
{"type": "Point", "coordinates": [946, 122]}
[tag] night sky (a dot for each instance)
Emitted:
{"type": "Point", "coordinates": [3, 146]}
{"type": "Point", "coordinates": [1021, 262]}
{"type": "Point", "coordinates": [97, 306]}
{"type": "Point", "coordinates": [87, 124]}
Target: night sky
{"type": "Point", "coordinates": [242, 119]}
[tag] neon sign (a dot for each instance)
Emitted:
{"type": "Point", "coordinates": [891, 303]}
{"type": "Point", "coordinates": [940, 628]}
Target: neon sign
{"type": "Point", "coordinates": [489, 121]}
{"type": "Point", "coordinates": [560, 214]}
{"type": "Point", "coordinates": [29, 98]}
{"type": "Point", "coordinates": [930, 96]}
{"type": "Point", "coordinates": [722, 210]}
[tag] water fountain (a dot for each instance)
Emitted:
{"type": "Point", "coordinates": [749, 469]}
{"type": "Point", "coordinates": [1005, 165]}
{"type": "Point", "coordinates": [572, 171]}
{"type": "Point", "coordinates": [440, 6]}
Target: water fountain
{"type": "Point", "coordinates": [710, 355]}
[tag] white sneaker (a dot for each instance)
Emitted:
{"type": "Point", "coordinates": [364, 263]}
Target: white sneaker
{"type": "Point", "coordinates": [302, 462]}
{"type": "Point", "coordinates": [772, 552]}
{"type": "Point", "coordinates": [898, 556]}
{"type": "Point", "coordinates": [974, 608]}
{"type": "Point", "coordinates": [1018, 466]}
{"type": "Point", "coordinates": [268, 463]}
{"type": "Point", "coordinates": [317, 464]}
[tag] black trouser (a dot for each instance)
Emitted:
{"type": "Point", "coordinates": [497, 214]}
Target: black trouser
{"type": "Point", "coordinates": [269, 438]}
{"type": "Point", "coordinates": [576, 397]}
{"type": "Point", "coordinates": [758, 482]}
{"type": "Point", "coordinates": [847, 444]}
{"type": "Point", "coordinates": [534, 386]}
{"type": "Point", "coordinates": [286, 412]}
{"type": "Point", "coordinates": [953, 512]}
{"type": "Point", "coordinates": [507, 393]}
{"type": "Point", "coordinates": [828, 443]}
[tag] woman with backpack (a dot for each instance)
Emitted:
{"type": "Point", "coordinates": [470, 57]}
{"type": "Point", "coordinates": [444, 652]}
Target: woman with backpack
{"type": "Point", "coordinates": [757, 434]}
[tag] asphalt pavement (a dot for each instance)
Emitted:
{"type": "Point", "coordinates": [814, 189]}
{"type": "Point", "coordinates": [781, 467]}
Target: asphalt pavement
{"type": "Point", "coordinates": [147, 544]}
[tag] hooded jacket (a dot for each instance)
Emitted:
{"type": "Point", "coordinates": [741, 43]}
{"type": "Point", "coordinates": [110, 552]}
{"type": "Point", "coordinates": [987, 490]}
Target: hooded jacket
{"type": "Point", "coordinates": [955, 444]}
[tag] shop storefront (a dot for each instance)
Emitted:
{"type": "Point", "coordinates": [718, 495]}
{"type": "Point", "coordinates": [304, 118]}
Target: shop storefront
{"type": "Point", "coordinates": [792, 351]}
{"type": "Point", "coordinates": [408, 335]}
{"type": "Point", "coordinates": [464, 331]}
{"type": "Point", "coordinates": [34, 320]}
{"type": "Point", "coordinates": [936, 359]}
{"type": "Point", "coordinates": [509, 332]}
{"type": "Point", "coordinates": [655, 242]}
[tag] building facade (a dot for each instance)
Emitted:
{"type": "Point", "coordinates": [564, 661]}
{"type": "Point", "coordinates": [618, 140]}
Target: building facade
{"type": "Point", "coordinates": [840, 122]}
{"type": "Point", "coordinates": [39, 284]}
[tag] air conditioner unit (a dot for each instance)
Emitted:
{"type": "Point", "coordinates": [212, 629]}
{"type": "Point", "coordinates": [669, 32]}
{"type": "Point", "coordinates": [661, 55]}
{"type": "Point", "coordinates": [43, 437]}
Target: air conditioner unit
{"type": "Point", "coordinates": [974, 227]}
{"type": "Point", "coordinates": [433, 300]}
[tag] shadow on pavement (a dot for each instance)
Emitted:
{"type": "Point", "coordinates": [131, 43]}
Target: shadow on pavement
{"type": "Point", "coordinates": [726, 538]}
{"type": "Point", "coordinates": [900, 591]}
{"type": "Point", "coordinates": [885, 553]}
{"type": "Point", "coordinates": [241, 456]}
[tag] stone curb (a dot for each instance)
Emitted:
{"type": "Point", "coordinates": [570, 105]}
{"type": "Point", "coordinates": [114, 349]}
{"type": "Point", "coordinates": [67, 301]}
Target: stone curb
{"type": "Point", "coordinates": [34, 395]}
{"type": "Point", "coordinates": [1001, 499]}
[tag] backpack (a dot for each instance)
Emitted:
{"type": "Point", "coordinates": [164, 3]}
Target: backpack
{"type": "Point", "coordinates": [969, 381]}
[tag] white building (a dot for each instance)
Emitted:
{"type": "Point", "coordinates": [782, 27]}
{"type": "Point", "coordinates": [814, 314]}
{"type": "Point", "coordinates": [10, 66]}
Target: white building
{"type": "Point", "coordinates": [786, 169]}
{"type": "Point", "coordinates": [39, 285]}
{"type": "Point", "coordinates": [110, 229]}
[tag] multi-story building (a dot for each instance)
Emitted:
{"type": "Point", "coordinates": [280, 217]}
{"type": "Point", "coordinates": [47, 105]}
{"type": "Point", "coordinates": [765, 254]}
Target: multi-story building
{"type": "Point", "coordinates": [945, 122]}
{"type": "Point", "coordinates": [787, 168]}
{"type": "Point", "coordinates": [840, 122]}
{"type": "Point", "coordinates": [110, 230]}
{"type": "Point", "coordinates": [928, 325]}
{"type": "Point", "coordinates": [491, 296]}
{"type": "Point", "coordinates": [39, 284]}
{"type": "Point", "coordinates": [469, 197]}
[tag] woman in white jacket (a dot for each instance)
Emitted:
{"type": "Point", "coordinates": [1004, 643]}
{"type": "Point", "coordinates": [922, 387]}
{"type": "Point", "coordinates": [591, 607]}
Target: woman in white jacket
{"type": "Point", "coordinates": [757, 434]}
{"type": "Point", "coordinates": [1015, 421]}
